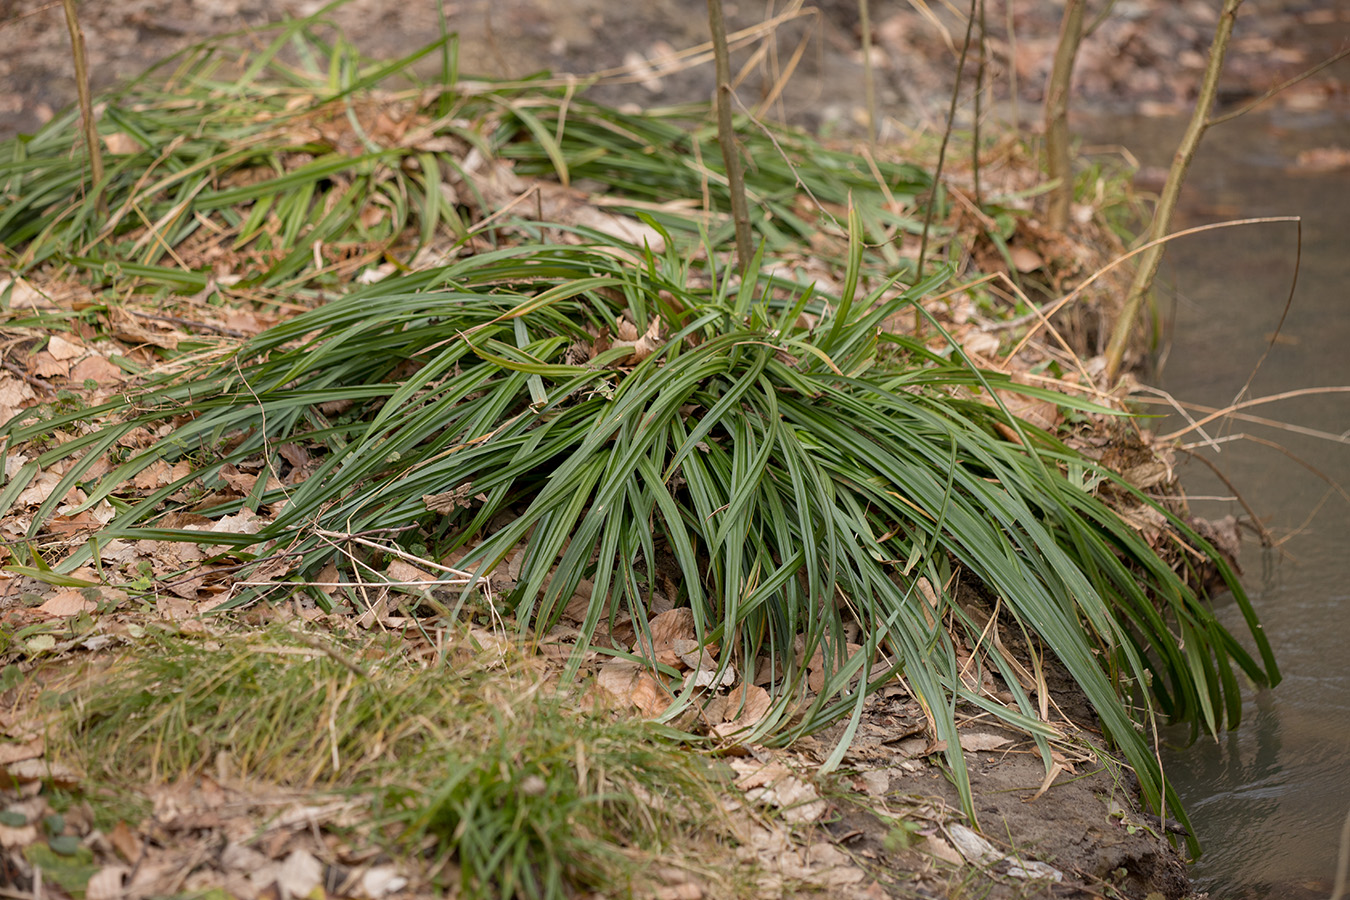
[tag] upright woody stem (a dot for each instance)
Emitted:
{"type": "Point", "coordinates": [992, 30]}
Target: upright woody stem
{"type": "Point", "coordinates": [726, 137]}
{"type": "Point", "coordinates": [86, 102]}
{"type": "Point", "coordinates": [1167, 202]}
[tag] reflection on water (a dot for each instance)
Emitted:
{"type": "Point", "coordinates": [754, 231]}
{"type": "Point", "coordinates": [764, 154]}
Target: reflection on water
{"type": "Point", "coordinates": [1269, 799]}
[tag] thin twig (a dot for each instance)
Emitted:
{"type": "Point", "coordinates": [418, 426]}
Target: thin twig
{"type": "Point", "coordinates": [942, 156]}
{"type": "Point", "coordinates": [1248, 107]}
{"type": "Point", "coordinates": [1058, 164]}
{"type": "Point", "coordinates": [1171, 192]}
{"type": "Point", "coordinates": [1267, 540]}
{"type": "Point", "coordinates": [190, 323]}
{"type": "Point", "coordinates": [975, 124]}
{"type": "Point", "coordinates": [869, 75]}
{"type": "Point", "coordinates": [726, 136]}
{"type": "Point", "coordinates": [1342, 860]}
{"type": "Point", "coordinates": [1279, 327]}
{"type": "Point", "coordinates": [81, 62]}
{"type": "Point", "coordinates": [1257, 401]}
{"type": "Point", "coordinates": [35, 382]}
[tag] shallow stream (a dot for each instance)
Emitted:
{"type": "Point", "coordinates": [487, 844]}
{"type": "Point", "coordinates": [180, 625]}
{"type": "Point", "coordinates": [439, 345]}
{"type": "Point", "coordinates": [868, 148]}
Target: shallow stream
{"type": "Point", "coordinates": [1269, 800]}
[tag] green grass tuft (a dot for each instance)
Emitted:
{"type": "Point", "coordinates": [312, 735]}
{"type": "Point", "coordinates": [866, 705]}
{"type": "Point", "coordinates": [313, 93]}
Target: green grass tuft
{"type": "Point", "coordinates": [479, 765]}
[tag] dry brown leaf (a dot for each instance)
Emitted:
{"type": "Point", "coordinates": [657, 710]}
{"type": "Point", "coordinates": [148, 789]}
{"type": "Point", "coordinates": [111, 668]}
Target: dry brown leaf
{"type": "Point", "coordinates": [62, 349]}
{"type": "Point", "coordinates": [981, 344]}
{"type": "Point", "coordinates": [877, 782]}
{"type": "Point", "coordinates": [749, 704]}
{"type": "Point", "coordinates": [936, 846]}
{"type": "Point", "coordinates": [242, 482]}
{"type": "Point", "coordinates": [20, 836]}
{"type": "Point", "coordinates": [243, 522]}
{"type": "Point", "coordinates": [155, 475]}
{"type": "Point", "coordinates": [106, 883]}
{"type": "Point", "coordinates": [43, 770]}
{"type": "Point", "coordinates": [972, 741]}
{"type": "Point", "coordinates": [300, 873]}
{"type": "Point", "coordinates": [31, 749]}
{"type": "Point", "coordinates": [126, 842]}
{"type": "Point", "coordinates": [401, 571]}
{"type": "Point", "coordinates": [650, 696]}
{"type": "Point", "coordinates": [24, 295]}
{"type": "Point", "coordinates": [119, 143]}
{"type": "Point", "coordinates": [15, 394]}
{"type": "Point", "coordinates": [1039, 412]}
{"type": "Point", "coordinates": [1025, 259]}
{"type": "Point", "coordinates": [64, 604]}
{"type": "Point", "coordinates": [666, 629]}
{"type": "Point", "coordinates": [98, 369]}
{"type": "Point", "coordinates": [43, 365]}
{"type": "Point", "coordinates": [617, 677]}
{"type": "Point", "coordinates": [774, 784]}
{"type": "Point", "coordinates": [380, 881]}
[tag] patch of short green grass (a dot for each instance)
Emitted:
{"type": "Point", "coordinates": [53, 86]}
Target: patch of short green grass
{"type": "Point", "coordinates": [470, 761]}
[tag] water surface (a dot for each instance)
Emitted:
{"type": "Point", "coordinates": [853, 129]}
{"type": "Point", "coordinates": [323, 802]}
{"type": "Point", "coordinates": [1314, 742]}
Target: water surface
{"type": "Point", "coordinates": [1268, 800]}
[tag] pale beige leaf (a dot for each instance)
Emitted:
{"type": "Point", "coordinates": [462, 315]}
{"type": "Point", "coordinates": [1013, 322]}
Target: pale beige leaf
{"type": "Point", "coordinates": [21, 836]}
{"type": "Point", "coordinates": [1025, 259]}
{"type": "Point", "coordinates": [617, 677]}
{"type": "Point", "coordinates": [749, 704]}
{"type": "Point", "coordinates": [936, 846]}
{"type": "Point", "coordinates": [13, 752]}
{"type": "Point", "coordinates": [62, 349]}
{"type": "Point", "coordinates": [106, 883]}
{"type": "Point", "coordinates": [972, 741]}
{"type": "Point", "coordinates": [980, 343]}
{"type": "Point", "coordinates": [380, 881]}
{"type": "Point", "coordinates": [299, 874]}
{"type": "Point", "coordinates": [64, 604]}
{"type": "Point", "coordinates": [243, 522]}
{"type": "Point", "coordinates": [119, 143]}
{"type": "Point", "coordinates": [401, 571]}
{"type": "Point", "coordinates": [666, 629]}
{"type": "Point", "coordinates": [877, 782]}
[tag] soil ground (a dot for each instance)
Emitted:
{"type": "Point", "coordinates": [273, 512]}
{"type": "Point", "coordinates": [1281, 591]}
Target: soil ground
{"type": "Point", "coordinates": [1147, 56]}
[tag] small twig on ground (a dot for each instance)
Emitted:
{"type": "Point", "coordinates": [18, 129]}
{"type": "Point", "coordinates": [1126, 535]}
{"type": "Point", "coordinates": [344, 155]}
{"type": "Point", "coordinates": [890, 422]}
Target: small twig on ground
{"type": "Point", "coordinates": [35, 382]}
{"type": "Point", "coordinates": [190, 323]}
{"type": "Point", "coordinates": [975, 122]}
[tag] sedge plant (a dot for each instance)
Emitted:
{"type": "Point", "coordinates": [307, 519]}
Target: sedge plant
{"type": "Point", "coordinates": [803, 470]}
